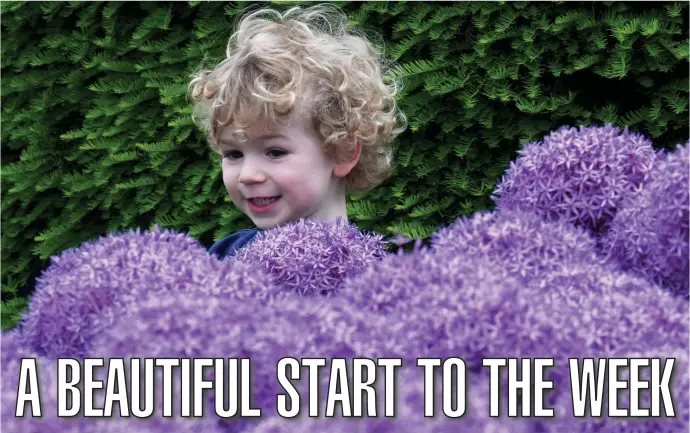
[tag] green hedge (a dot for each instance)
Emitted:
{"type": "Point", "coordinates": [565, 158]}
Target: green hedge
{"type": "Point", "coordinates": [97, 134]}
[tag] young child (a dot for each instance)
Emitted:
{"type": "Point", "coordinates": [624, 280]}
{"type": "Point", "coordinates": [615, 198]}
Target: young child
{"type": "Point", "coordinates": [300, 114]}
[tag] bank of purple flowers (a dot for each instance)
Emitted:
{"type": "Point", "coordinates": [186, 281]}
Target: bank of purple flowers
{"type": "Point", "coordinates": [586, 256]}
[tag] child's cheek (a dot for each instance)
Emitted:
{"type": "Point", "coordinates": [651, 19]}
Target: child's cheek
{"type": "Point", "coordinates": [230, 182]}
{"type": "Point", "coordinates": [303, 194]}
{"type": "Point", "coordinates": [301, 190]}
{"type": "Point", "coordinates": [227, 180]}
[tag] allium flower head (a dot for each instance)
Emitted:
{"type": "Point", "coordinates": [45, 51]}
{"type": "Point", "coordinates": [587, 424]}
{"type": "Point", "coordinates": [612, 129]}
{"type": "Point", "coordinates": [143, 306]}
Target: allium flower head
{"type": "Point", "coordinates": [402, 281]}
{"type": "Point", "coordinates": [13, 350]}
{"type": "Point", "coordinates": [193, 326]}
{"type": "Point", "coordinates": [679, 386]}
{"type": "Point", "coordinates": [614, 312]}
{"type": "Point", "coordinates": [312, 256]}
{"type": "Point", "coordinates": [86, 288]}
{"type": "Point", "coordinates": [580, 175]}
{"type": "Point", "coordinates": [650, 233]}
{"type": "Point", "coordinates": [154, 425]}
{"type": "Point", "coordinates": [454, 304]}
{"type": "Point", "coordinates": [409, 416]}
{"type": "Point", "coordinates": [522, 243]}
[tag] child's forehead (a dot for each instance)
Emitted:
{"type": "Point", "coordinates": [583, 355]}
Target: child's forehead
{"type": "Point", "coordinates": [234, 140]}
{"type": "Point", "coordinates": [262, 129]}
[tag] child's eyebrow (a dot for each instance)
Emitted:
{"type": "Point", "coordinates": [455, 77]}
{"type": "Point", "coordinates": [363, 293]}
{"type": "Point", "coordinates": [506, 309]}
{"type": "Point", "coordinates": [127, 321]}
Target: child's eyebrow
{"type": "Point", "coordinates": [231, 142]}
{"type": "Point", "coordinates": [271, 136]}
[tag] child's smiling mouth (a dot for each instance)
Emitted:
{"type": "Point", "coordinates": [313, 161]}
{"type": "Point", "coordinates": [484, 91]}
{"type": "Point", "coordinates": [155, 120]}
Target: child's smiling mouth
{"type": "Point", "coordinates": [262, 204]}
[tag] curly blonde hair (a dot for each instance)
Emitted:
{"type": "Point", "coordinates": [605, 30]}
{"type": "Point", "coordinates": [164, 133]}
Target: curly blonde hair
{"type": "Point", "coordinates": [277, 62]}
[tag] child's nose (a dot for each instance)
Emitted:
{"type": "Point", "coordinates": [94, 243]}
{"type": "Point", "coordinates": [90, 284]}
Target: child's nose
{"type": "Point", "coordinates": [251, 173]}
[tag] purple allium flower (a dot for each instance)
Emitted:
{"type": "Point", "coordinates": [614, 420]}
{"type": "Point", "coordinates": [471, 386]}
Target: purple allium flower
{"type": "Point", "coordinates": [601, 313]}
{"type": "Point", "coordinates": [613, 312]}
{"type": "Point", "coordinates": [649, 235]}
{"type": "Point", "coordinates": [600, 310]}
{"type": "Point", "coordinates": [311, 256]}
{"type": "Point", "coordinates": [410, 412]}
{"type": "Point", "coordinates": [153, 425]}
{"type": "Point", "coordinates": [679, 386]}
{"type": "Point", "coordinates": [11, 353]}
{"type": "Point", "coordinates": [86, 288]}
{"type": "Point", "coordinates": [580, 175]}
{"type": "Point", "coordinates": [13, 350]}
{"type": "Point", "coordinates": [465, 305]}
{"type": "Point", "coordinates": [524, 244]}
{"type": "Point", "coordinates": [455, 305]}
{"type": "Point", "coordinates": [193, 326]}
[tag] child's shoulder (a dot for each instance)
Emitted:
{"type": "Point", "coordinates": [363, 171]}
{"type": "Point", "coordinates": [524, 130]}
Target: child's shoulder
{"type": "Point", "coordinates": [228, 246]}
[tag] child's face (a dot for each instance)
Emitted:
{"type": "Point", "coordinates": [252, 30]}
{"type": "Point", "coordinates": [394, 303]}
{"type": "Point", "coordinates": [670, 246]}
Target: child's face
{"type": "Point", "coordinates": [286, 167]}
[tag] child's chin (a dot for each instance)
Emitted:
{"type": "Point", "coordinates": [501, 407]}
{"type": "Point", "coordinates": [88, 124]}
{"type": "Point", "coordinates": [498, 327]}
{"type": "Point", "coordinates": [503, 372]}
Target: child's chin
{"type": "Point", "coordinates": [265, 224]}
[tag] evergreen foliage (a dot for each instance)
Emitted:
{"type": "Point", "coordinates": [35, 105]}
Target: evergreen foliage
{"type": "Point", "coordinates": [97, 134]}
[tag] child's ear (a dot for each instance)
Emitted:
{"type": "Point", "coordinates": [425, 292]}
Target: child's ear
{"type": "Point", "coordinates": [342, 169]}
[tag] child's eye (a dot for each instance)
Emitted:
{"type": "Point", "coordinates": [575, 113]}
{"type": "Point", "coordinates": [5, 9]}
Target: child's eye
{"type": "Point", "coordinates": [276, 153]}
{"type": "Point", "coordinates": [233, 154]}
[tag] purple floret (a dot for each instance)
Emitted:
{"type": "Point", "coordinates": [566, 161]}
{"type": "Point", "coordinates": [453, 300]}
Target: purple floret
{"type": "Point", "coordinates": [87, 288]}
{"type": "Point", "coordinates": [313, 257]}
{"type": "Point", "coordinates": [577, 174]}
{"type": "Point", "coordinates": [650, 234]}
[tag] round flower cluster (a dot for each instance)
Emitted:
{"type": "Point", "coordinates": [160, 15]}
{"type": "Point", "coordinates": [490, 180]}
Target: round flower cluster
{"type": "Point", "coordinates": [613, 311]}
{"type": "Point", "coordinates": [457, 305]}
{"type": "Point", "coordinates": [451, 304]}
{"type": "Point", "coordinates": [409, 412]}
{"type": "Point", "coordinates": [154, 425]}
{"type": "Point", "coordinates": [577, 174]}
{"type": "Point", "coordinates": [679, 386]}
{"type": "Point", "coordinates": [650, 234]}
{"type": "Point", "coordinates": [13, 351]}
{"type": "Point", "coordinates": [313, 257]}
{"type": "Point", "coordinates": [87, 289]}
{"type": "Point", "coordinates": [523, 244]}
{"type": "Point", "coordinates": [198, 326]}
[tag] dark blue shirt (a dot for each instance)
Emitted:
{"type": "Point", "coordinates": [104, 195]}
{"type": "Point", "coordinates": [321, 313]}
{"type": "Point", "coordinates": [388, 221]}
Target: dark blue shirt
{"type": "Point", "coordinates": [228, 246]}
